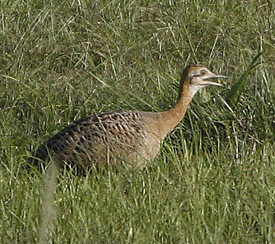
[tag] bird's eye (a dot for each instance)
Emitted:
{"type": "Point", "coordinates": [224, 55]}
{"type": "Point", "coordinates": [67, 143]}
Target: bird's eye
{"type": "Point", "coordinates": [203, 72]}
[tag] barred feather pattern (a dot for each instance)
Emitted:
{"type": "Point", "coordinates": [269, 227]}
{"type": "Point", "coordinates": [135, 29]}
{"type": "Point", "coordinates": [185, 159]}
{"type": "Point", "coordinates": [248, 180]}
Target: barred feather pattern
{"type": "Point", "coordinates": [103, 137]}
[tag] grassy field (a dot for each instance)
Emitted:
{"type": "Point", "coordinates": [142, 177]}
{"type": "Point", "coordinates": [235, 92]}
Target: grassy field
{"type": "Point", "coordinates": [214, 181]}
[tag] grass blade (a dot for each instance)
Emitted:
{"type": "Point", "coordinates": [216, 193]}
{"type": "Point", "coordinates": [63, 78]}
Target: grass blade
{"type": "Point", "coordinates": [233, 96]}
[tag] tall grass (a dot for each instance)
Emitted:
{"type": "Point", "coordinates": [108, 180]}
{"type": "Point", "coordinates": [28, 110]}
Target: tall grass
{"type": "Point", "coordinates": [214, 179]}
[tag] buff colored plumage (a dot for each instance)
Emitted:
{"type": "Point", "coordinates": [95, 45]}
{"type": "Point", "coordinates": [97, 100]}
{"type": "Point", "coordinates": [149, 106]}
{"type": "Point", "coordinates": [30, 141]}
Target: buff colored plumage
{"type": "Point", "coordinates": [132, 137]}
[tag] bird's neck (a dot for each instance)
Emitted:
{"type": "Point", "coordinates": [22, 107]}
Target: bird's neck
{"type": "Point", "coordinates": [173, 116]}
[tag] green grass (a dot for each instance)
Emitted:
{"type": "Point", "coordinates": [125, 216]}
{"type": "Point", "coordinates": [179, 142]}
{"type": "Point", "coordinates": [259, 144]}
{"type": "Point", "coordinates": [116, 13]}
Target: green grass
{"type": "Point", "coordinates": [214, 179]}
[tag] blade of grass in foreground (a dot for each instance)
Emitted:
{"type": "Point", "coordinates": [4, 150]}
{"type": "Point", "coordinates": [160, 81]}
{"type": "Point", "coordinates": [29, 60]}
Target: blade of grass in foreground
{"type": "Point", "coordinates": [233, 96]}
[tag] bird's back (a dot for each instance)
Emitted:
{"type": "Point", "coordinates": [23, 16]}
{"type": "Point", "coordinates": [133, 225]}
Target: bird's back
{"type": "Point", "coordinates": [103, 137]}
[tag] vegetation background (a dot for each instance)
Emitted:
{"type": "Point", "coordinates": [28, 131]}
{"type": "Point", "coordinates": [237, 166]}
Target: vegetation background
{"type": "Point", "coordinates": [214, 181]}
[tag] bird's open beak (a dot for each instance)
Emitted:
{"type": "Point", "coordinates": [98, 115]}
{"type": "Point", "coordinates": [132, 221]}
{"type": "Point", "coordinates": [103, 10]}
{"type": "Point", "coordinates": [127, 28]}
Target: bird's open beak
{"type": "Point", "coordinates": [212, 76]}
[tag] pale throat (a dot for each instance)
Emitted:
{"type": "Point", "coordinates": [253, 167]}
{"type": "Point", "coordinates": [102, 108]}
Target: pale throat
{"type": "Point", "coordinates": [193, 89]}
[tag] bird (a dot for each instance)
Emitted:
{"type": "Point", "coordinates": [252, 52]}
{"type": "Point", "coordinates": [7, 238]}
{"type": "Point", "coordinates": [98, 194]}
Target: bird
{"type": "Point", "coordinates": [129, 137]}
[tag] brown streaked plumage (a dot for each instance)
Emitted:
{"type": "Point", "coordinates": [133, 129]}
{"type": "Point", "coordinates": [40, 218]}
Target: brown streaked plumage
{"type": "Point", "coordinates": [130, 136]}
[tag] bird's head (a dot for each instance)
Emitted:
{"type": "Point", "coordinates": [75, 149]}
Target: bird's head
{"type": "Point", "coordinates": [197, 77]}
